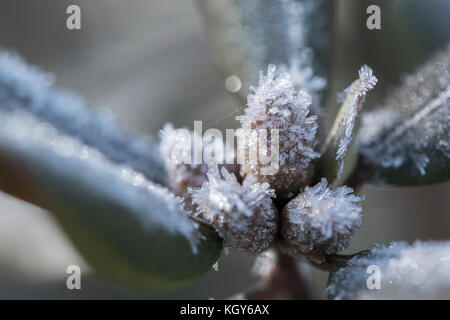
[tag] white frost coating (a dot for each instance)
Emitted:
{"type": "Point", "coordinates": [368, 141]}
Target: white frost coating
{"type": "Point", "coordinates": [303, 77]}
{"type": "Point", "coordinates": [417, 271]}
{"type": "Point", "coordinates": [41, 145]}
{"type": "Point", "coordinates": [352, 104]}
{"type": "Point", "coordinates": [242, 214]}
{"type": "Point", "coordinates": [414, 122]}
{"type": "Point", "coordinates": [355, 98]}
{"type": "Point", "coordinates": [275, 104]}
{"type": "Point", "coordinates": [176, 146]}
{"type": "Point", "coordinates": [321, 220]}
{"type": "Point", "coordinates": [24, 87]}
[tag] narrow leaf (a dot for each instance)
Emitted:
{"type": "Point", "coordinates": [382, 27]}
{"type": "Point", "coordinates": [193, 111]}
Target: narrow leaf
{"type": "Point", "coordinates": [248, 35]}
{"type": "Point", "coordinates": [331, 163]}
{"type": "Point", "coordinates": [27, 88]}
{"type": "Point", "coordinates": [407, 140]}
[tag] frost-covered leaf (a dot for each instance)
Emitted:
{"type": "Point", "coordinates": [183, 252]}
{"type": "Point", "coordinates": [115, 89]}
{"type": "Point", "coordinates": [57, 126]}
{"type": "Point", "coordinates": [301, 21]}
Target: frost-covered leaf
{"type": "Point", "coordinates": [407, 140]}
{"type": "Point", "coordinates": [331, 163]}
{"type": "Point", "coordinates": [24, 87]}
{"type": "Point", "coordinates": [248, 35]}
{"type": "Point", "coordinates": [399, 271]}
{"type": "Point", "coordinates": [57, 154]}
{"type": "Point", "coordinates": [129, 229]}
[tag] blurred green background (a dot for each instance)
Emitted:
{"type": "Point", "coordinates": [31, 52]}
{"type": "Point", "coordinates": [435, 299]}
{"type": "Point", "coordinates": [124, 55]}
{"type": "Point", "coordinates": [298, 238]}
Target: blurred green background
{"type": "Point", "coordinates": [149, 62]}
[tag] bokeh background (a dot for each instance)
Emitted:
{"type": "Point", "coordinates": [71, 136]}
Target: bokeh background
{"type": "Point", "coordinates": [149, 63]}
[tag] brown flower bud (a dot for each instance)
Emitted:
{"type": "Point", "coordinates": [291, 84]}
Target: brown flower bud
{"type": "Point", "coordinates": [177, 149]}
{"type": "Point", "coordinates": [320, 221]}
{"type": "Point", "coordinates": [284, 113]}
{"type": "Point", "coordinates": [242, 214]}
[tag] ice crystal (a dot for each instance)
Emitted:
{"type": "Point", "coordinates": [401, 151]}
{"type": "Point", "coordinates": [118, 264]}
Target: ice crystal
{"type": "Point", "coordinates": [24, 87]}
{"type": "Point", "coordinates": [275, 104]}
{"type": "Point", "coordinates": [321, 220]}
{"type": "Point", "coordinates": [353, 98]}
{"type": "Point", "coordinates": [414, 121]}
{"type": "Point", "coordinates": [417, 271]}
{"type": "Point", "coordinates": [175, 147]}
{"type": "Point", "coordinates": [243, 214]}
{"type": "Point", "coordinates": [42, 147]}
{"type": "Point", "coordinates": [303, 77]}
{"type": "Point", "coordinates": [178, 148]}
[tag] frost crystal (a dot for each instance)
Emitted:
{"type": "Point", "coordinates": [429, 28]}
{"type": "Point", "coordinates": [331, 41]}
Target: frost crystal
{"type": "Point", "coordinates": [178, 147]}
{"type": "Point", "coordinates": [275, 104]}
{"type": "Point", "coordinates": [417, 271]}
{"type": "Point", "coordinates": [303, 77]}
{"type": "Point", "coordinates": [243, 215]}
{"type": "Point", "coordinates": [321, 220]}
{"type": "Point", "coordinates": [414, 121]}
{"type": "Point", "coordinates": [175, 145]}
{"type": "Point", "coordinates": [27, 88]}
{"type": "Point", "coordinates": [353, 98]}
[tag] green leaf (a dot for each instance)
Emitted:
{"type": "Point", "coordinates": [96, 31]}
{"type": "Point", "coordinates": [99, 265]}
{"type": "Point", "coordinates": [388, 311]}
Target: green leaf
{"type": "Point", "coordinates": [246, 36]}
{"type": "Point", "coordinates": [129, 229]}
{"type": "Point", "coordinates": [337, 143]}
{"type": "Point", "coordinates": [27, 88]}
{"type": "Point", "coordinates": [99, 183]}
{"type": "Point", "coordinates": [407, 140]}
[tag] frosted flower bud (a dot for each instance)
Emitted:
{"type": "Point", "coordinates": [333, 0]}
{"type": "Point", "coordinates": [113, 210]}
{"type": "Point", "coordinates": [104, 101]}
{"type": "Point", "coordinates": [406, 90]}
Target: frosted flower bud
{"type": "Point", "coordinates": [178, 148]}
{"type": "Point", "coordinates": [275, 104]}
{"type": "Point", "coordinates": [242, 214]}
{"type": "Point", "coordinates": [320, 221]}
{"type": "Point", "coordinates": [303, 77]}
